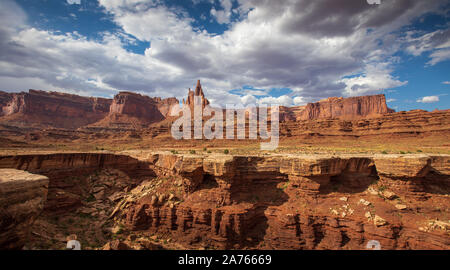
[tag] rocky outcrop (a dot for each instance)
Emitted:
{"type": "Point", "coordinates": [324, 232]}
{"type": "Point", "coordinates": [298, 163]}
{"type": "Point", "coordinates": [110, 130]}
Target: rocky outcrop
{"type": "Point", "coordinates": [351, 108]}
{"type": "Point", "coordinates": [165, 105]}
{"type": "Point", "coordinates": [418, 176]}
{"type": "Point", "coordinates": [22, 198]}
{"type": "Point", "coordinates": [38, 116]}
{"type": "Point", "coordinates": [411, 125]}
{"type": "Point", "coordinates": [295, 202]}
{"type": "Point", "coordinates": [136, 105]}
{"type": "Point", "coordinates": [134, 111]}
{"type": "Point", "coordinates": [264, 202]}
{"type": "Point", "coordinates": [68, 173]}
{"type": "Point", "coordinates": [5, 98]}
{"type": "Point", "coordinates": [197, 93]}
{"type": "Point", "coordinates": [53, 109]}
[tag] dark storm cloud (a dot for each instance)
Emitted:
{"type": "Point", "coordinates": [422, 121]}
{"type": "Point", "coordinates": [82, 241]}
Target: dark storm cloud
{"type": "Point", "coordinates": [326, 17]}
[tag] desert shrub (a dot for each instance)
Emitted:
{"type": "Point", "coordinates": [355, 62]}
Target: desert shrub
{"type": "Point", "coordinates": [204, 149]}
{"type": "Point", "coordinates": [226, 151]}
{"type": "Point", "coordinates": [419, 151]}
{"type": "Point", "coordinates": [91, 198]}
{"type": "Point", "coordinates": [84, 215]}
{"type": "Point", "coordinates": [192, 151]}
{"type": "Point", "coordinates": [284, 186]}
{"type": "Point", "coordinates": [401, 152]}
{"type": "Point", "coordinates": [384, 152]}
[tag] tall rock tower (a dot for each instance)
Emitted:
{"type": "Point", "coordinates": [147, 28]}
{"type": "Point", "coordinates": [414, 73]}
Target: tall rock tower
{"type": "Point", "coordinates": [198, 92]}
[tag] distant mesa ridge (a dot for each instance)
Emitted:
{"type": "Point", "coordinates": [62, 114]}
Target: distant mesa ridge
{"type": "Point", "coordinates": [351, 108]}
{"type": "Point", "coordinates": [61, 110]}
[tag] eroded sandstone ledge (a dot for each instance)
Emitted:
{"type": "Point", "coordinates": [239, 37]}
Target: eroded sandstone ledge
{"type": "Point", "coordinates": [22, 198]}
{"type": "Point", "coordinates": [297, 202]}
{"type": "Point", "coordinates": [257, 202]}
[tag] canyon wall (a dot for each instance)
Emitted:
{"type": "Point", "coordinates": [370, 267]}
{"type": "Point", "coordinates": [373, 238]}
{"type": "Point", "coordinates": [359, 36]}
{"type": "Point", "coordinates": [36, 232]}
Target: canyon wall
{"type": "Point", "coordinates": [53, 109]}
{"type": "Point", "coordinates": [134, 111]}
{"type": "Point", "coordinates": [60, 110]}
{"type": "Point", "coordinates": [413, 124]}
{"type": "Point", "coordinates": [354, 116]}
{"type": "Point", "coordinates": [22, 198]}
{"type": "Point", "coordinates": [256, 202]}
{"type": "Point", "coordinates": [297, 202]}
{"type": "Point", "coordinates": [67, 173]}
{"type": "Point", "coordinates": [134, 117]}
{"type": "Point", "coordinates": [350, 108]}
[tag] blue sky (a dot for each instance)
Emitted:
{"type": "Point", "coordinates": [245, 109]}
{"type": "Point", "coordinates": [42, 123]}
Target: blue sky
{"type": "Point", "coordinates": [289, 52]}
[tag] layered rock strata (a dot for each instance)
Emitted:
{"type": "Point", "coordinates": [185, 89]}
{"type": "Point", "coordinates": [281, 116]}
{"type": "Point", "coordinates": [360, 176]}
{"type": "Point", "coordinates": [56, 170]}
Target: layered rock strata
{"type": "Point", "coordinates": [344, 108]}
{"type": "Point", "coordinates": [261, 202]}
{"type": "Point", "coordinates": [68, 173]}
{"type": "Point", "coordinates": [293, 202]}
{"type": "Point", "coordinates": [22, 198]}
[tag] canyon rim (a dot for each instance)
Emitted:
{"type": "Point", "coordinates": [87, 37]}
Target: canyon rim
{"type": "Point", "coordinates": [311, 125]}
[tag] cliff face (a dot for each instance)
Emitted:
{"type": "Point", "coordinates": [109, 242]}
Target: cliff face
{"type": "Point", "coordinates": [67, 173]}
{"type": "Point", "coordinates": [5, 98]}
{"type": "Point", "coordinates": [136, 105]}
{"type": "Point", "coordinates": [53, 109]}
{"type": "Point", "coordinates": [22, 198]}
{"type": "Point", "coordinates": [225, 201]}
{"type": "Point", "coordinates": [412, 124]}
{"type": "Point", "coordinates": [165, 105]}
{"type": "Point", "coordinates": [351, 108]}
{"type": "Point", "coordinates": [55, 104]}
{"type": "Point", "coordinates": [295, 202]}
{"type": "Point", "coordinates": [139, 107]}
{"type": "Point", "coordinates": [134, 111]}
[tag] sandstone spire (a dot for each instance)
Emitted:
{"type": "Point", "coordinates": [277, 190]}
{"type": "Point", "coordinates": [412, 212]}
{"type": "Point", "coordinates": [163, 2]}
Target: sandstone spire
{"type": "Point", "coordinates": [198, 92]}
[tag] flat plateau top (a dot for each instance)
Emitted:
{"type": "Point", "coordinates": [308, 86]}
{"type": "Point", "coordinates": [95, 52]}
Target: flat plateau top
{"type": "Point", "coordinates": [144, 154]}
{"type": "Point", "coordinates": [8, 175]}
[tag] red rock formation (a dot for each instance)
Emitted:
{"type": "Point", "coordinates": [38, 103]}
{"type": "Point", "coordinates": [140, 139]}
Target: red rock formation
{"type": "Point", "coordinates": [134, 111]}
{"type": "Point", "coordinates": [136, 105]}
{"type": "Point", "coordinates": [53, 109]}
{"type": "Point", "coordinates": [5, 98]}
{"type": "Point", "coordinates": [198, 92]}
{"type": "Point", "coordinates": [136, 116]}
{"type": "Point", "coordinates": [351, 108]}
{"type": "Point", "coordinates": [133, 104]}
{"type": "Point", "coordinates": [67, 173]}
{"type": "Point", "coordinates": [22, 198]}
{"type": "Point", "coordinates": [263, 202]}
{"type": "Point", "coordinates": [411, 125]}
{"type": "Point", "coordinates": [297, 202]}
{"type": "Point", "coordinates": [165, 105]}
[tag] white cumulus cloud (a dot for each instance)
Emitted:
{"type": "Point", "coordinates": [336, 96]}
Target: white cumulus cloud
{"type": "Point", "coordinates": [307, 46]}
{"type": "Point", "coordinates": [374, 79]}
{"type": "Point", "coordinates": [72, 2]}
{"type": "Point", "coordinates": [428, 99]}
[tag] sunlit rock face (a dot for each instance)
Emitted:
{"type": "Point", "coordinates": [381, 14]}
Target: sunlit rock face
{"type": "Point", "coordinates": [351, 108]}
